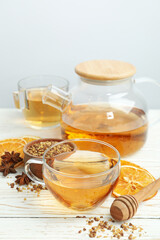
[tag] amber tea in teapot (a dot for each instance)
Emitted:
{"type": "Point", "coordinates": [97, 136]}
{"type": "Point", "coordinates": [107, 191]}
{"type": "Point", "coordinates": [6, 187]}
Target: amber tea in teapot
{"type": "Point", "coordinates": [125, 131]}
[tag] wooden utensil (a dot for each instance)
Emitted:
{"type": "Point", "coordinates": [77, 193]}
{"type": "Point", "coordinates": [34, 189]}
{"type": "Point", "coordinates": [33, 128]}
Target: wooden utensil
{"type": "Point", "coordinates": [125, 207]}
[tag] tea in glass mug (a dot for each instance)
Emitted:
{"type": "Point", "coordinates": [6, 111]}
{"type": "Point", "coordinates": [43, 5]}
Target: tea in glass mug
{"type": "Point", "coordinates": [80, 179]}
{"type": "Point", "coordinates": [29, 98]}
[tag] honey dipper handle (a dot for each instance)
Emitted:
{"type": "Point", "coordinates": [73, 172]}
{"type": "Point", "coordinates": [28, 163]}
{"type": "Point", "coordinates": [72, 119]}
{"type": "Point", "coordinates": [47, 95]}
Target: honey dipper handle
{"type": "Point", "coordinates": [148, 191]}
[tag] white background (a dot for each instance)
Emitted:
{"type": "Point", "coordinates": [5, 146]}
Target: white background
{"type": "Point", "coordinates": [52, 36]}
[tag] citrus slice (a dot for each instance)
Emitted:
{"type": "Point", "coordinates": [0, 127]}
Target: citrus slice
{"type": "Point", "coordinates": [124, 162]}
{"type": "Point", "coordinates": [12, 146]}
{"type": "Point", "coordinates": [30, 138]}
{"type": "Point", "coordinates": [131, 180]}
{"type": "Point", "coordinates": [18, 140]}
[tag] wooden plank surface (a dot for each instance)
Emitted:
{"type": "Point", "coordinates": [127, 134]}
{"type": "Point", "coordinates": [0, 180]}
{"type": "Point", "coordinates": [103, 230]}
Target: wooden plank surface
{"type": "Point", "coordinates": [12, 204]}
{"type": "Point", "coordinates": [44, 215]}
{"type": "Point", "coordinates": [67, 229]}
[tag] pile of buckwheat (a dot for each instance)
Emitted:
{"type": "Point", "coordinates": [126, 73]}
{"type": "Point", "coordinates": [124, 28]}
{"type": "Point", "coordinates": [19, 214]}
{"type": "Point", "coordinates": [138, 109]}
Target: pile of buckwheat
{"type": "Point", "coordinates": [38, 149]}
{"type": "Point", "coordinates": [97, 227]}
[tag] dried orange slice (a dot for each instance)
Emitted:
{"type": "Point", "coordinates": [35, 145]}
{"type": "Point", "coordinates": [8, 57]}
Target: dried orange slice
{"type": "Point", "coordinates": [124, 162]}
{"type": "Point", "coordinates": [30, 138]}
{"type": "Point", "coordinates": [11, 146]}
{"type": "Point", "coordinates": [131, 180]}
{"type": "Point", "coordinates": [18, 140]}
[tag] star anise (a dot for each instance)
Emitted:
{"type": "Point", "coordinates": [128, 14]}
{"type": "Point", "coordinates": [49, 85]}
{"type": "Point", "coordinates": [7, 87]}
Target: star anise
{"type": "Point", "coordinates": [11, 157]}
{"type": "Point", "coordinates": [7, 168]}
{"type": "Point", "coordinates": [23, 179]}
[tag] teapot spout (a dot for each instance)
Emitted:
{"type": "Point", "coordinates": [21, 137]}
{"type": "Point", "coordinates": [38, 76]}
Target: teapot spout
{"type": "Point", "coordinates": [56, 97]}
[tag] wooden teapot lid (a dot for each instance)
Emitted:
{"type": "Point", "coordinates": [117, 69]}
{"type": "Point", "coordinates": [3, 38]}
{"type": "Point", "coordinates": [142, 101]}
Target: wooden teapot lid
{"type": "Point", "coordinates": [105, 70]}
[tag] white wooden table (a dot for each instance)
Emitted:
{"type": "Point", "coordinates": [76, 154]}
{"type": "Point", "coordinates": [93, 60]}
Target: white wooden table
{"type": "Point", "coordinates": [43, 218]}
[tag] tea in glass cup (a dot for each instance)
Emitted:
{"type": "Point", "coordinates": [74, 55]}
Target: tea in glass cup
{"type": "Point", "coordinates": [29, 98]}
{"type": "Point", "coordinates": [82, 178]}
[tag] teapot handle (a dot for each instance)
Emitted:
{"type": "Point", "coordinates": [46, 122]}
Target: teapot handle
{"type": "Point", "coordinates": [153, 81]}
{"type": "Point", "coordinates": [147, 79]}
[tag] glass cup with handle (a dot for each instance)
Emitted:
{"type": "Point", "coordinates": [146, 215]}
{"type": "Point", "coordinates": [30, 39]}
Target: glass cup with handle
{"type": "Point", "coordinates": [82, 178]}
{"type": "Point", "coordinates": [29, 98]}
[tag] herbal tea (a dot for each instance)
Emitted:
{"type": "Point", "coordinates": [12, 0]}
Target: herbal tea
{"type": "Point", "coordinates": [124, 129]}
{"type": "Point", "coordinates": [81, 190]}
{"type": "Point", "coordinates": [37, 113]}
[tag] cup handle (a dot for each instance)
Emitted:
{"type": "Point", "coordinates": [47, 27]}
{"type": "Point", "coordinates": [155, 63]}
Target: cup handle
{"type": "Point", "coordinates": [20, 99]}
{"type": "Point", "coordinates": [16, 99]}
{"type": "Point", "coordinates": [29, 172]}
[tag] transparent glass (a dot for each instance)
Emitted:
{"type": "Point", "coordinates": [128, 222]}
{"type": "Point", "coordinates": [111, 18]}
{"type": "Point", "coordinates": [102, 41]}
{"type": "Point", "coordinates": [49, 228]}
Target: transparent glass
{"type": "Point", "coordinates": [112, 111]}
{"type": "Point", "coordinates": [29, 98]}
{"type": "Point", "coordinates": [83, 178]}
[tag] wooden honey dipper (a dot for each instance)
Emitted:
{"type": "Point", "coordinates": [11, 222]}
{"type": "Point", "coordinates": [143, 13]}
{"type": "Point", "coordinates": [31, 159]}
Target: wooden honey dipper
{"type": "Point", "coordinates": [125, 207]}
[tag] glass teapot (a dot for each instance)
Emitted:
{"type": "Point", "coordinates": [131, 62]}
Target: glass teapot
{"type": "Point", "coordinates": [105, 106]}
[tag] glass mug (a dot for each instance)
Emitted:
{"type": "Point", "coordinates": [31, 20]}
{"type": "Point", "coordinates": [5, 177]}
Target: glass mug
{"type": "Point", "coordinates": [80, 179]}
{"type": "Point", "coordinates": [29, 98]}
